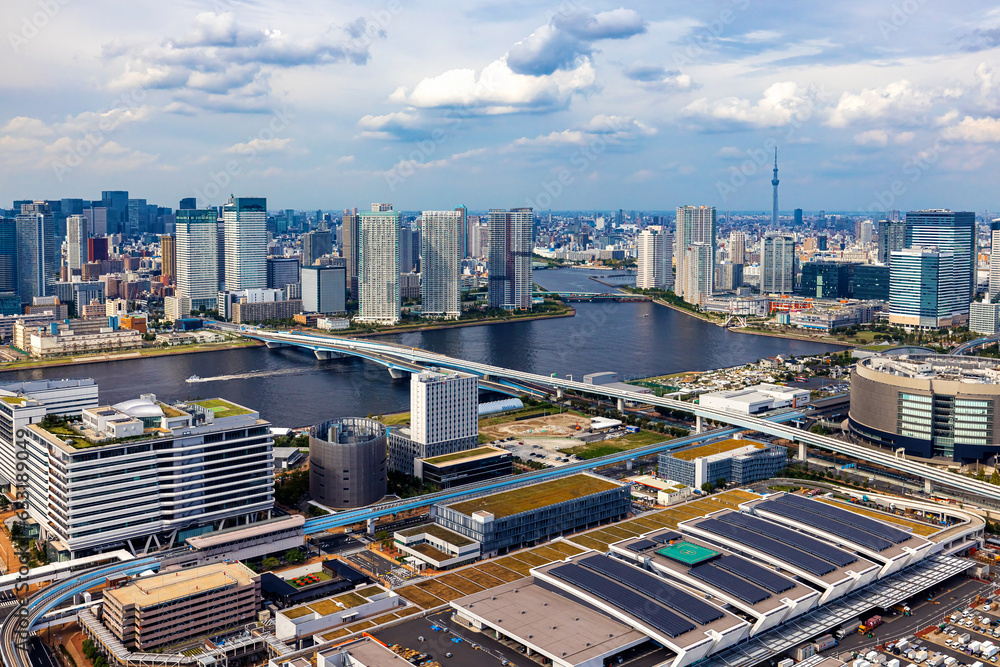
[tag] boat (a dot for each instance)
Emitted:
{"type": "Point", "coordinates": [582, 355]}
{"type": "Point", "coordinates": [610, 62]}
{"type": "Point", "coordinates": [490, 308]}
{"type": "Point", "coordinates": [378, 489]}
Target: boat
{"type": "Point", "coordinates": [194, 378]}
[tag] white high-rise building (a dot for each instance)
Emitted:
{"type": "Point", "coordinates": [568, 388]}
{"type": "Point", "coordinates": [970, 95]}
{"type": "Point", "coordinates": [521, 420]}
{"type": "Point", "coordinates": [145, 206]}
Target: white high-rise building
{"type": "Point", "coordinates": [245, 220]}
{"type": "Point", "coordinates": [443, 407]}
{"type": "Point", "coordinates": [695, 224]}
{"type": "Point", "coordinates": [510, 244]}
{"type": "Point", "coordinates": [867, 232]}
{"type": "Point", "coordinates": [737, 247]}
{"type": "Point", "coordinates": [441, 263]}
{"type": "Point", "coordinates": [381, 208]}
{"type": "Point", "coordinates": [197, 257]}
{"type": "Point", "coordinates": [378, 267]}
{"type": "Point", "coordinates": [777, 263]}
{"type": "Point", "coordinates": [76, 242]}
{"type": "Point", "coordinates": [699, 273]}
{"type": "Point", "coordinates": [655, 260]}
{"type": "Point", "coordinates": [994, 258]}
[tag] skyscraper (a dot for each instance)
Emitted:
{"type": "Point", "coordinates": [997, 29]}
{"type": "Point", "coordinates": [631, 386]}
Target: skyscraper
{"type": "Point", "coordinates": [797, 217]}
{"type": "Point", "coordinates": [378, 267]}
{"type": "Point", "coordinates": [168, 257]}
{"type": "Point", "coordinates": [695, 224]}
{"type": "Point", "coordinates": [699, 273]}
{"type": "Point", "coordinates": [777, 263]}
{"type": "Point", "coordinates": [245, 221]}
{"type": "Point", "coordinates": [510, 282]}
{"type": "Point", "coordinates": [37, 253]}
{"type": "Point", "coordinates": [116, 204]}
{"type": "Point", "coordinates": [349, 232]}
{"type": "Point", "coordinates": [406, 238]}
{"type": "Point", "coordinates": [951, 232]}
{"type": "Point", "coordinates": [8, 255]}
{"type": "Point", "coordinates": [655, 250]}
{"type": "Point", "coordinates": [315, 245]}
{"type": "Point", "coordinates": [282, 272]}
{"type": "Point", "coordinates": [463, 230]}
{"type": "Point", "coordinates": [774, 184]}
{"type": "Point", "coordinates": [381, 208]}
{"type": "Point", "coordinates": [927, 288]}
{"type": "Point", "coordinates": [138, 216]}
{"type": "Point", "coordinates": [994, 258]}
{"type": "Point", "coordinates": [441, 262]}
{"type": "Point", "coordinates": [737, 247]}
{"type": "Point", "coordinates": [891, 237]}
{"type": "Point", "coordinates": [77, 235]}
{"type": "Point", "coordinates": [324, 289]}
{"type": "Point", "coordinates": [197, 252]}
{"type": "Point", "coordinates": [187, 202]}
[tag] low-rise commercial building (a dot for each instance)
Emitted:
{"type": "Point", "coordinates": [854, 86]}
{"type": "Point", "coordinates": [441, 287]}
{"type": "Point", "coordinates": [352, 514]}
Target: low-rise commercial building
{"type": "Point", "coordinates": [506, 520]}
{"type": "Point", "coordinates": [466, 467]}
{"type": "Point", "coordinates": [737, 461]}
{"type": "Point", "coordinates": [155, 611]}
{"type": "Point", "coordinates": [435, 545]}
{"type": "Point", "coordinates": [302, 622]}
{"type": "Point", "coordinates": [756, 399]}
{"type": "Point", "coordinates": [73, 337]}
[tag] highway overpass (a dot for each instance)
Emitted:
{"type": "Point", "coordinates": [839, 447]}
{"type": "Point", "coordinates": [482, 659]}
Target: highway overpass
{"type": "Point", "coordinates": [390, 354]}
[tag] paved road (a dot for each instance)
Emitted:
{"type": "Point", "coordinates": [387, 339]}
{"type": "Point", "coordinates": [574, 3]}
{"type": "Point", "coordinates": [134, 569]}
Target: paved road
{"type": "Point", "coordinates": [371, 562]}
{"type": "Point", "coordinates": [338, 544]}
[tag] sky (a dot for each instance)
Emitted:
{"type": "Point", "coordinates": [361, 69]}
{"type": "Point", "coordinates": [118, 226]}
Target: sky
{"type": "Point", "coordinates": [566, 105]}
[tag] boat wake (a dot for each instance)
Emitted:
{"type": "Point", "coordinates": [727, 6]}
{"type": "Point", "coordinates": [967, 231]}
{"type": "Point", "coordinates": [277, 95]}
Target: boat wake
{"type": "Point", "coordinates": [253, 374]}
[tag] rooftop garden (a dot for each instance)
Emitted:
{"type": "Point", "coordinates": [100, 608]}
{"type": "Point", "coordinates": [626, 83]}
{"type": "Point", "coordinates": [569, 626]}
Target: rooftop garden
{"type": "Point", "coordinates": [439, 532]}
{"type": "Point", "coordinates": [14, 400]}
{"type": "Point", "coordinates": [535, 496]}
{"type": "Point", "coordinates": [221, 407]}
{"type": "Point", "coordinates": [468, 453]}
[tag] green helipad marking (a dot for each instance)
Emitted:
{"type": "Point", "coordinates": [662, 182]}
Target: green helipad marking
{"type": "Point", "coordinates": [687, 553]}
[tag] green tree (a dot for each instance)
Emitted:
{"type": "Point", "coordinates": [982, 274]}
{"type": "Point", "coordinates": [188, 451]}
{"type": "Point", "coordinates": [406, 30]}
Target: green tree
{"type": "Point", "coordinates": [981, 475]}
{"type": "Point", "coordinates": [995, 477]}
{"type": "Point", "coordinates": [270, 563]}
{"type": "Point", "coordinates": [707, 487]}
{"type": "Point", "coordinates": [294, 556]}
{"type": "Point", "coordinates": [720, 483]}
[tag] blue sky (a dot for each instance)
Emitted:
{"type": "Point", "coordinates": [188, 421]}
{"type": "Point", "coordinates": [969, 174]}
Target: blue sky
{"type": "Point", "coordinates": [644, 105]}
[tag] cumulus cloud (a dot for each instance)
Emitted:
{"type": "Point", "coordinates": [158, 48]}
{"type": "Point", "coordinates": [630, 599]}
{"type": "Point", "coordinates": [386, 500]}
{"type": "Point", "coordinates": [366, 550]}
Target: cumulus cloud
{"type": "Point", "coordinates": [390, 125]}
{"type": "Point", "coordinates": [781, 104]}
{"type": "Point", "coordinates": [569, 37]}
{"type": "Point", "coordinates": [611, 130]}
{"type": "Point", "coordinates": [899, 98]}
{"type": "Point", "coordinates": [657, 77]}
{"type": "Point", "coordinates": [497, 89]}
{"type": "Point", "coordinates": [255, 146]}
{"type": "Point", "coordinates": [223, 66]}
{"type": "Point", "coordinates": [975, 130]}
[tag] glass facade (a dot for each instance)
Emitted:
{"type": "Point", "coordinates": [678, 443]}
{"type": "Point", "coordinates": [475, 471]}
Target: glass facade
{"type": "Point", "coordinates": [826, 280]}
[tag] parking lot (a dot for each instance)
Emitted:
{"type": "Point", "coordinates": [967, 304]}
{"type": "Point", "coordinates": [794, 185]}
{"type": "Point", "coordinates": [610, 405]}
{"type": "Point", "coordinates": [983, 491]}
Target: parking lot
{"type": "Point", "coordinates": [471, 648]}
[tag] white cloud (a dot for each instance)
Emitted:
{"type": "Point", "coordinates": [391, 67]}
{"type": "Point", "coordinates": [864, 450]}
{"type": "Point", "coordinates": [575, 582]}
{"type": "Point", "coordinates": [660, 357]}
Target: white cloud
{"type": "Point", "coordinates": [614, 130]}
{"type": "Point", "coordinates": [346, 159]}
{"type": "Point", "coordinates": [255, 146]}
{"type": "Point", "coordinates": [781, 104]}
{"type": "Point", "coordinates": [872, 138]}
{"type": "Point", "coordinates": [900, 98]}
{"type": "Point", "coordinates": [975, 130]}
{"type": "Point", "coordinates": [729, 151]}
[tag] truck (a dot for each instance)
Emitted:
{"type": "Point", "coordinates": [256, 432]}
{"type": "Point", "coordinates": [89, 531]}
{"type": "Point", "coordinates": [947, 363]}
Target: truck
{"type": "Point", "coordinates": [993, 650]}
{"type": "Point", "coordinates": [847, 628]}
{"type": "Point", "coordinates": [825, 642]}
{"type": "Point", "coordinates": [964, 638]}
{"type": "Point", "coordinates": [974, 646]}
{"type": "Point", "coordinates": [920, 656]}
{"type": "Point", "coordinates": [870, 624]}
{"type": "Point", "coordinates": [901, 609]}
{"type": "Point", "coordinates": [805, 651]}
{"type": "Point", "coordinates": [903, 644]}
{"type": "Point", "coordinates": [936, 661]}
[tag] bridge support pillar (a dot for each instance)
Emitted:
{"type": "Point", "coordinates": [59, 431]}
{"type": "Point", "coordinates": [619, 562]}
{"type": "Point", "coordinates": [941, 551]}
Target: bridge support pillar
{"type": "Point", "coordinates": [371, 526]}
{"type": "Point", "coordinates": [928, 486]}
{"type": "Point", "coordinates": [628, 464]}
{"type": "Point", "coordinates": [802, 451]}
{"type": "Point", "coordinates": [699, 424]}
{"type": "Point", "coordinates": [398, 373]}
{"type": "Point", "coordinates": [559, 393]}
{"type": "Point", "coordinates": [621, 405]}
{"type": "Point", "coordinates": [327, 354]}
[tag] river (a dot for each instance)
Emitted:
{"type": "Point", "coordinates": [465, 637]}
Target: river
{"type": "Point", "coordinates": [292, 388]}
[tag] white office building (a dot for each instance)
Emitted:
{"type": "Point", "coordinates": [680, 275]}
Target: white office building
{"type": "Point", "coordinates": [777, 263]}
{"type": "Point", "coordinates": [76, 241]}
{"type": "Point", "coordinates": [324, 289]}
{"type": "Point", "coordinates": [143, 474]}
{"type": "Point", "coordinates": [994, 258]}
{"type": "Point", "coordinates": [245, 221]}
{"type": "Point", "coordinates": [378, 267]}
{"type": "Point", "coordinates": [699, 273]}
{"type": "Point", "coordinates": [737, 247]}
{"type": "Point", "coordinates": [655, 260]}
{"type": "Point", "coordinates": [441, 263]}
{"type": "Point", "coordinates": [197, 257]}
{"type": "Point", "coordinates": [984, 317]}
{"type": "Point", "coordinates": [24, 403]}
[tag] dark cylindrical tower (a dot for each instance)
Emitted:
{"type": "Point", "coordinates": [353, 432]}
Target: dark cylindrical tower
{"type": "Point", "coordinates": [347, 460]}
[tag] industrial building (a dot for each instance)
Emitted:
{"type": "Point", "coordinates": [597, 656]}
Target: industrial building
{"type": "Point", "coordinates": [148, 453]}
{"type": "Point", "coordinates": [932, 406]}
{"type": "Point", "coordinates": [347, 462]}
{"type": "Point", "coordinates": [737, 461]}
{"type": "Point", "coordinates": [756, 399]}
{"type": "Point", "coordinates": [434, 545]}
{"type": "Point", "coordinates": [155, 611]}
{"type": "Point", "coordinates": [525, 515]}
{"type": "Point", "coordinates": [465, 467]}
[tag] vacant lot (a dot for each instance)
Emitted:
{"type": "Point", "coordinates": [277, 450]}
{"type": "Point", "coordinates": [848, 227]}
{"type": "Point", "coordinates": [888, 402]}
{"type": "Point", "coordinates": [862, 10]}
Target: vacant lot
{"type": "Point", "coordinates": [628, 441]}
{"type": "Point", "coordinates": [554, 426]}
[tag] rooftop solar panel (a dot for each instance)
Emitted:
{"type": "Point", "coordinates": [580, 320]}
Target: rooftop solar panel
{"type": "Point", "coordinates": [697, 610]}
{"type": "Point", "coordinates": [728, 582]}
{"type": "Point", "coordinates": [642, 545]}
{"type": "Point", "coordinates": [788, 536]}
{"type": "Point", "coordinates": [766, 545]}
{"type": "Point", "coordinates": [867, 524]}
{"type": "Point", "coordinates": [829, 524]}
{"type": "Point", "coordinates": [769, 579]}
{"type": "Point", "coordinates": [625, 599]}
{"type": "Point", "coordinates": [667, 537]}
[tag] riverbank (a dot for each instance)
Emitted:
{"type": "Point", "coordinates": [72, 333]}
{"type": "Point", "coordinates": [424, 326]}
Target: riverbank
{"type": "Point", "coordinates": [127, 356]}
{"type": "Point", "coordinates": [569, 312]}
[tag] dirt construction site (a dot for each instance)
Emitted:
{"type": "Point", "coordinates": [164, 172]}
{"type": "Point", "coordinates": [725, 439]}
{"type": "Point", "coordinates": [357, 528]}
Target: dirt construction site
{"type": "Point", "coordinates": [553, 426]}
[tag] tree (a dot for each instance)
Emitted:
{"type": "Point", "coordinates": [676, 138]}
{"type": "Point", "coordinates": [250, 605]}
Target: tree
{"type": "Point", "coordinates": [270, 563]}
{"type": "Point", "coordinates": [707, 487]}
{"type": "Point", "coordinates": [720, 483]}
{"type": "Point", "coordinates": [294, 556]}
{"type": "Point", "coordinates": [995, 477]}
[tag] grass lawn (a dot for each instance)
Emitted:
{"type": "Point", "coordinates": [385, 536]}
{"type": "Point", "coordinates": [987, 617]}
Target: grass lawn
{"type": "Point", "coordinates": [397, 419]}
{"type": "Point", "coordinates": [629, 441]}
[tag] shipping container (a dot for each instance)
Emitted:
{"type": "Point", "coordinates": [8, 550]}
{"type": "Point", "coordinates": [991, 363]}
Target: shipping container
{"type": "Point", "coordinates": [825, 642]}
{"type": "Point", "coordinates": [805, 651]}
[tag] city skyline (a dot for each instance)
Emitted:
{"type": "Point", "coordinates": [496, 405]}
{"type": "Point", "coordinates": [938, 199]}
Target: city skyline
{"type": "Point", "coordinates": [641, 103]}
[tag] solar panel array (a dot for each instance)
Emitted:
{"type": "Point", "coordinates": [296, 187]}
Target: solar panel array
{"type": "Point", "coordinates": [625, 599]}
{"type": "Point", "coordinates": [867, 524]}
{"type": "Point", "coordinates": [726, 581]}
{"type": "Point", "coordinates": [770, 580]}
{"type": "Point", "coordinates": [642, 545]}
{"type": "Point", "coordinates": [766, 545]}
{"type": "Point", "coordinates": [830, 525]}
{"type": "Point", "coordinates": [808, 544]}
{"type": "Point", "coordinates": [697, 610]}
{"type": "Point", "coordinates": [667, 537]}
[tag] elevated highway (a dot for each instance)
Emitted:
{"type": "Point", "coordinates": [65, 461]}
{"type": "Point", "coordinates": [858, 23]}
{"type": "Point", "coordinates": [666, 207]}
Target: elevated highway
{"type": "Point", "coordinates": [377, 351]}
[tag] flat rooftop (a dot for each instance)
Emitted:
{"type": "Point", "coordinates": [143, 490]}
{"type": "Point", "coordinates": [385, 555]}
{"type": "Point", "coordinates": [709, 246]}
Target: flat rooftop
{"type": "Point", "coordinates": [170, 586]}
{"type": "Point", "coordinates": [687, 552]}
{"type": "Point", "coordinates": [221, 407]}
{"type": "Point", "coordinates": [552, 622]}
{"type": "Point", "coordinates": [466, 456]}
{"type": "Point", "coordinates": [532, 497]}
{"type": "Point", "coordinates": [712, 448]}
{"type": "Point", "coordinates": [970, 370]}
{"type": "Point", "coordinates": [236, 533]}
{"type": "Point", "coordinates": [334, 604]}
{"type": "Point", "coordinates": [438, 531]}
